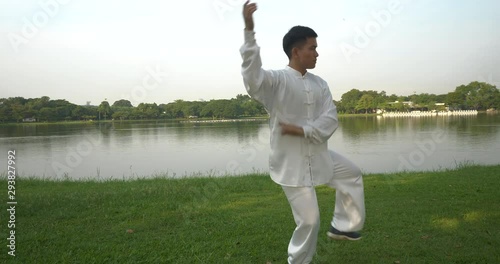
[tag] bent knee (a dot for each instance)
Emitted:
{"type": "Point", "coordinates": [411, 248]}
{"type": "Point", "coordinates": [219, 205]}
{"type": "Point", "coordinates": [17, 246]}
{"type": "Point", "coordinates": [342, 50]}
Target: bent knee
{"type": "Point", "coordinates": [310, 222]}
{"type": "Point", "coordinates": [355, 170]}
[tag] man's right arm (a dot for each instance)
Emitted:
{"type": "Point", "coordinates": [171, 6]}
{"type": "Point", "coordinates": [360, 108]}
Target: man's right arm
{"type": "Point", "coordinates": [258, 82]}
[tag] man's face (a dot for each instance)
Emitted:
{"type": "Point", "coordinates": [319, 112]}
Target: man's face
{"type": "Point", "coordinates": [307, 54]}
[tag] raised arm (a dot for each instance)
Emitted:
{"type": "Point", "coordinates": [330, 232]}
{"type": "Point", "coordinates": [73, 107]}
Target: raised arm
{"type": "Point", "coordinates": [259, 83]}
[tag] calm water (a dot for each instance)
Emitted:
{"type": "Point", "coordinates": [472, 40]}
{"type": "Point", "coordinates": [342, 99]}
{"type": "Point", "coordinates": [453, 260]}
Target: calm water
{"type": "Point", "coordinates": [145, 149]}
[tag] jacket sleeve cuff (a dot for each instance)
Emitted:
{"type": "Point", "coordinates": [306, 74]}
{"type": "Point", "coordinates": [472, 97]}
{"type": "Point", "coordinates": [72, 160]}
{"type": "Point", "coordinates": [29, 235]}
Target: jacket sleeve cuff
{"type": "Point", "coordinates": [307, 131]}
{"type": "Point", "coordinates": [249, 36]}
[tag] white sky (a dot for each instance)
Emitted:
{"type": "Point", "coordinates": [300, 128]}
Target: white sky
{"type": "Point", "coordinates": [94, 50]}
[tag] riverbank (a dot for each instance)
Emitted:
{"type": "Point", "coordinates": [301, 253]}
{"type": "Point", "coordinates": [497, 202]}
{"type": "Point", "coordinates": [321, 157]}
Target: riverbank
{"type": "Point", "coordinates": [449, 216]}
{"type": "Point", "coordinates": [181, 120]}
{"type": "Point", "coordinates": [212, 120]}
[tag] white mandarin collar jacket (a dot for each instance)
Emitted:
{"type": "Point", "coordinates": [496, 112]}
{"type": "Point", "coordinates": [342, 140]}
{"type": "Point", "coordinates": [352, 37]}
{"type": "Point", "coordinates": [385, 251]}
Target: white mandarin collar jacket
{"type": "Point", "coordinates": [292, 98]}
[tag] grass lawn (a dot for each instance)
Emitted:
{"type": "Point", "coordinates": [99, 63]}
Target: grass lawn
{"type": "Point", "coordinates": [450, 216]}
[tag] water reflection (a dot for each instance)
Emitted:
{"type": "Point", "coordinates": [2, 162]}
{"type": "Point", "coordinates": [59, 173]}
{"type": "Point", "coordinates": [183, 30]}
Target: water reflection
{"type": "Point", "coordinates": [128, 149]}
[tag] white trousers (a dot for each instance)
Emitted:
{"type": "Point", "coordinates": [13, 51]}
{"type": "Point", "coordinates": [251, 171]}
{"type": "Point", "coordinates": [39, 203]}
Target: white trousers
{"type": "Point", "coordinates": [348, 216]}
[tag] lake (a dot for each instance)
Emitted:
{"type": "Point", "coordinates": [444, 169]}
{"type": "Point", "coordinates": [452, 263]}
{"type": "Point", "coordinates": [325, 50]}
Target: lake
{"type": "Point", "coordinates": [154, 148]}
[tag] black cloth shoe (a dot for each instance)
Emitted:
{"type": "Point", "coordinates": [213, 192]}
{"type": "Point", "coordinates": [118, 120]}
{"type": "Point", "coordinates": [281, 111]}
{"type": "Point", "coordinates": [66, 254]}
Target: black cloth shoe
{"type": "Point", "coordinates": [339, 235]}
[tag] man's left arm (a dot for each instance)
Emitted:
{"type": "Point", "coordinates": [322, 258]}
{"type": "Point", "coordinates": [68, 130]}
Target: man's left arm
{"type": "Point", "coordinates": [292, 130]}
{"type": "Point", "coordinates": [322, 128]}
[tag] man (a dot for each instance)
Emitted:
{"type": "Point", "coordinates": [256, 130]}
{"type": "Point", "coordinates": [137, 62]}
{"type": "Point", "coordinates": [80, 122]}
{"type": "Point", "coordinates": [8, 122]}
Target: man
{"type": "Point", "coordinates": [302, 119]}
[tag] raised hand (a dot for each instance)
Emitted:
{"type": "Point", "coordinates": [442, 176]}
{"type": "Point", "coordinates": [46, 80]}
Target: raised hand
{"type": "Point", "coordinates": [248, 10]}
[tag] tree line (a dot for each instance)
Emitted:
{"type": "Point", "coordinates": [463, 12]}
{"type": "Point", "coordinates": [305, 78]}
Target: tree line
{"type": "Point", "coordinates": [18, 109]}
{"type": "Point", "coordinates": [474, 96]}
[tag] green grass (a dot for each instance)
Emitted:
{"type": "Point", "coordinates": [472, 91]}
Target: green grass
{"type": "Point", "coordinates": [450, 216]}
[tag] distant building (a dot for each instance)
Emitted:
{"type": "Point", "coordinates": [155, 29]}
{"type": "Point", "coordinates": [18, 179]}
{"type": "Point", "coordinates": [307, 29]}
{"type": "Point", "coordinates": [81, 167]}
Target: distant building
{"type": "Point", "coordinates": [408, 103]}
{"type": "Point", "coordinates": [29, 119]}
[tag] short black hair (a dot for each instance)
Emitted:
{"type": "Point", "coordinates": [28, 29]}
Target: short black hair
{"type": "Point", "coordinates": [296, 36]}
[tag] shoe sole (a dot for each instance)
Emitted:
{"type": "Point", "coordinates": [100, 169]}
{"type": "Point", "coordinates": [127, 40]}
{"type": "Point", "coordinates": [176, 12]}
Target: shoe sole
{"type": "Point", "coordinates": [341, 237]}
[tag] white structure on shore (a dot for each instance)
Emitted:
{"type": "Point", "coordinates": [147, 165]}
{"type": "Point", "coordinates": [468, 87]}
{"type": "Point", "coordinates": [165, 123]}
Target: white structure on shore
{"type": "Point", "coordinates": [223, 120]}
{"type": "Point", "coordinates": [431, 113]}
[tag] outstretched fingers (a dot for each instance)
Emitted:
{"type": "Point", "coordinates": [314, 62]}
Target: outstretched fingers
{"type": "Point", "coordinates": [249, 9]}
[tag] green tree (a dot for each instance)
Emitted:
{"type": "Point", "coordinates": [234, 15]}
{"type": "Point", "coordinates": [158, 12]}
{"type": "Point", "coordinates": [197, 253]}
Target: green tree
{"type": "Point", "coordinates": [122, 113]}
{"type": "Point", "coordinates": [380, 100]}
{"type": "Point", "coordinates": [487, 96]}
{"type": "Point", "coordinates": [251, 107]}
{"type": "Point", "coordinates": [243, 97]}
{"type": "Point", "coordinates": [208, 110]}
{"type": "Point", "coordinates": [104, 109]}
{"type": "Point", "coordinates": [146, 111]}
{"type": "Point", "coordinates": [431, 105]}
{"type": "Point", "coordinates": [475, 95]}
{"type": "Point", "coordinates": [5, 111]}
{"type": "Point", "coordinates": [17, 111]}
{"type": "Point", "coordinates": [401, 107]}
{"type": "Point", "coordinates": [248, 106]}
{"type": "Point", "coordinates": [152, 111]}
{"type": "Point", "coordinates": [177, 107]}
{"type": "Point", "coordinates": [47, 114]}
{"type": "Point", "coordinates": [232, 109]}
{"type": "Point", "coordinates": [384, 106]}
{"type": "Point", "coordinates": [167, 110]}
{"type": "Point", "coordinates": [78, 112]}
{"type": "Point", "coordinates": [350, 100]}
{"type": "Point", "coordinates": [392, 98]}
{"type": "Point", "coordinates": [455, 100]}
{"type": "Point", "coordinates": [215, 108]}
{"type": "Point", "coordinates": [191, 109]}
{"type": "Point", "coordinates": [91, 113]}
{"type": "Point", "coordinates": [62, 109]}
{"type": "Point", "coordinates": [122, 103]}
{"type": "Point", "coordinates": [497, 102]}
{"type": "Point", "coordinates": [366, 103]}
{"type": "Point", "coordinates": [340, 107]}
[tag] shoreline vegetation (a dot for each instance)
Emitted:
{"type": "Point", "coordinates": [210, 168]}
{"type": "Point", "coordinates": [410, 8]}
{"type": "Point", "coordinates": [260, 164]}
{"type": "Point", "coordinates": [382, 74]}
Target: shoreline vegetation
{"type": "Point", "coordinates": [446, 216]}
{"type": "Point", "coordinates": [477, 96]}
{"type": "Point", "coordinates": [241, 119]}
